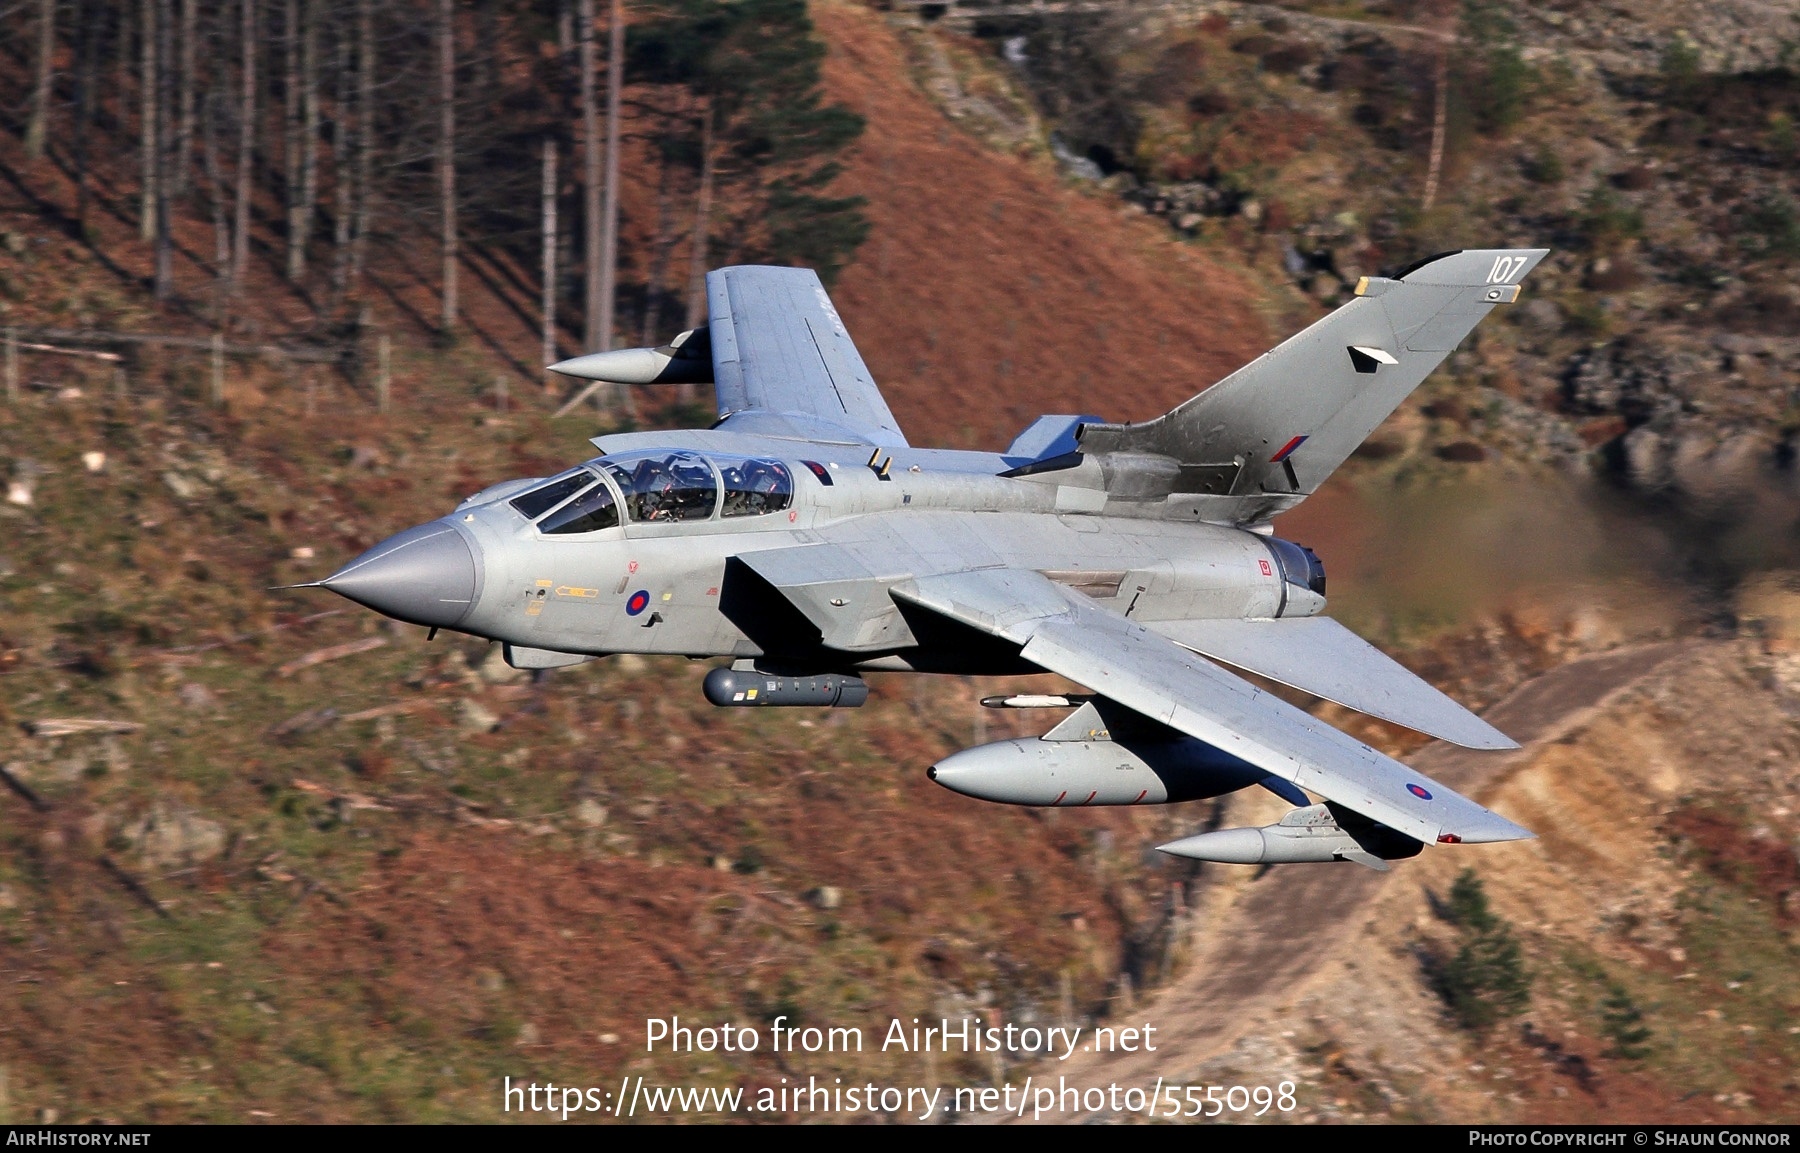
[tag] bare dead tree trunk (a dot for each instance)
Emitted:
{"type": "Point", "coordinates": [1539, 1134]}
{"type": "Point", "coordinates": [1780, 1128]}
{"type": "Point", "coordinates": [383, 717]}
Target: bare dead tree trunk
{"type": "Point", "coordinates": [662, 249]}
{"type": "Point", "coordinates": [447, 155]}
{"type": "Point", "coordinates": [184, 128]}
{"type": "Point", "coordinates": [659, 257]}
{"type": "Point", "coordinates": [165, 51]}
{"type": "Point", "coordinates": [487, 59]}
{"type": "Point", "coordinates": [246, 158]}
{"type": "Point", "coordinates": [84, 97]}
{"type": "Point", "coordinates": [309, 137]}
{"type": "Point", "coordinates": [40, 84]}
{"type": "Point", "coordinates": [696, 311]}
{"type": "Point", "coordinates": [290, 132]}
{"type": "Point", "coordinates": [609, 235]}
{"type": "Point", "coordinates": [590, 139]}
{"type": "Point", "coordinates": [568, 85]}
{"type": "Point", "coordinates": [549, 200]}
{"type": "Point", "coordinates": [343, 204]}
{"type": "Point", "coordinates": [365, 140]}
{"type": "Point", "coordinates": [215, 180]}
{"type": "Point", "coordinates": [1441, 81]}
{"type": "Point", "coordinates": [147, 118]}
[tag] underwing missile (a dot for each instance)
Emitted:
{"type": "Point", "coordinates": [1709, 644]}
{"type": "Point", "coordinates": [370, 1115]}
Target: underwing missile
{"type": "Point", "coordinates": [1310, 834]}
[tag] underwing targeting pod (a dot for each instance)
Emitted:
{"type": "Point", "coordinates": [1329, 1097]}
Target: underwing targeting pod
{"type": "Point", "coordinates": [740, 688]}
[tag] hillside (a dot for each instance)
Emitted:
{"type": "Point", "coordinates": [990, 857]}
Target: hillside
{"type": "Point", "coordinates": [1658, 898]}
{"type": "Point", "coordinates": [989, 284]}
{"type": "Point", "coordinates": [266, 857]}
{"type": "Point", "coordinates": [371, 887]}
{"type": "Point", "coordinates": [1648, 143]}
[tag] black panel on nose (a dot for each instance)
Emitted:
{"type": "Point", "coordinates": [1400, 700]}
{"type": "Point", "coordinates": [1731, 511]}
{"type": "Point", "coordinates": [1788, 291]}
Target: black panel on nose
{"type": "Point", "coordinates": [425, 576]}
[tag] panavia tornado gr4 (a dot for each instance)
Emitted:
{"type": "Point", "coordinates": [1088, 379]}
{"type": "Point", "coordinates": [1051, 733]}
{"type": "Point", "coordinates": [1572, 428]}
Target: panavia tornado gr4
{"type": "Point", "coordinates": [803, 540]}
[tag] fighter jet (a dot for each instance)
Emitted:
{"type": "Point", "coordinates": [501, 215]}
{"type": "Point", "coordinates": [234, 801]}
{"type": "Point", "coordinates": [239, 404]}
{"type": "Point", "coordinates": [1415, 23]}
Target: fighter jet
{"type": "Point", "coordinates": [805, 541]}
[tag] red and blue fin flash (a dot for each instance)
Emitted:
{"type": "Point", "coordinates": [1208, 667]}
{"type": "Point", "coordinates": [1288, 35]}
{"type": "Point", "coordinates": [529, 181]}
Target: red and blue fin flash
{"type": "Point", "coordinates": [1287, 466]}
{"type": "Point", "coordinates": [1287, 450]}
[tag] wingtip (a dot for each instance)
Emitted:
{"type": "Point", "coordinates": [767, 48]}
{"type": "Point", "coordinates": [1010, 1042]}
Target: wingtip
{"type": "Point", "coordinates": [1493, 830]}
{"type": "Point", "coordinates": [1479, 735]}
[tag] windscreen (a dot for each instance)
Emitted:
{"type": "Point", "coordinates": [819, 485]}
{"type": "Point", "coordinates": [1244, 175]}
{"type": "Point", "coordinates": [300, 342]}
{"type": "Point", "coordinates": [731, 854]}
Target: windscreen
{"type": "Point", "coordinates": [542, 499]}
{"type": "Point", "coordinates": [592, 511]}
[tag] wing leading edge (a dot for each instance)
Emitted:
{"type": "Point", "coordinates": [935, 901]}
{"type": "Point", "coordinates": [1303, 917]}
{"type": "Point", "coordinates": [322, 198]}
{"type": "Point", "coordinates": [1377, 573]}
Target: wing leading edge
{"type": "Point", "coordinates": [784, 364]}
{"type": "Point", "coordinates": [1144, 671]}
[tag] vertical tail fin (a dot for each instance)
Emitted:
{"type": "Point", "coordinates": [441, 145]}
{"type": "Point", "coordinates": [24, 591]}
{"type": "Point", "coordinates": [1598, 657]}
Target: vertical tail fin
{"type": "Point", "coordinates": [1264, 438]}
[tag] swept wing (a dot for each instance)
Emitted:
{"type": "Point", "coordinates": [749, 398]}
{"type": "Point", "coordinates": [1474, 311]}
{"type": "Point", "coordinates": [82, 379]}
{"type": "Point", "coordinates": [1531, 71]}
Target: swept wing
{"type": "Point", "coordinates": [784, 364]}
{"type": "Point", "coordinates": [1146, 672]}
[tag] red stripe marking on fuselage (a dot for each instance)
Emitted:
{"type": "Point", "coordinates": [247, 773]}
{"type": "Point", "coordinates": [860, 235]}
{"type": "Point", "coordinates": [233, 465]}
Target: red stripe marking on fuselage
{"type": "Point", "coordinates": [1091, 796]}
{"type": "Point", "coordinates": [1141, 796]}
{"type": "Point", "coordinates": [1059, 797]}
{"type": "Point", "coordinates": [1290, 446]}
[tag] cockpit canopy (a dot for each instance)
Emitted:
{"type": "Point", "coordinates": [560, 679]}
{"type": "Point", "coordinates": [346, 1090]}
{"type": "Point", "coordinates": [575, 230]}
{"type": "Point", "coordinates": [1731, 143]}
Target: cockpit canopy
{"type": "Point", "coordinates": [665, 487]}
{"type": "Point", "coordinates": [656, 487]}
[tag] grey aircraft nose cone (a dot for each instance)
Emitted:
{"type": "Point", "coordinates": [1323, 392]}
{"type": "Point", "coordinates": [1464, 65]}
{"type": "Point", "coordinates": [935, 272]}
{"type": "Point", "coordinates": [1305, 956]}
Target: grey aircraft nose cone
{"type": "Point", "coordinates": [426, 576]}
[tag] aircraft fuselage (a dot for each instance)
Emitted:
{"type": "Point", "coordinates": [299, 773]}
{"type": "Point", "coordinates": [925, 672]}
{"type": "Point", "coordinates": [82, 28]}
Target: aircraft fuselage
{"type": "Point", "coordinates": [663, 579]}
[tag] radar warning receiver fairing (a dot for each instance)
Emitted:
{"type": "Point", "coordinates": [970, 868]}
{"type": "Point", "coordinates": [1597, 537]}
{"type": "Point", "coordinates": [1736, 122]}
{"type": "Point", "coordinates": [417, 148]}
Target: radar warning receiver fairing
{"type": "Point", "coordinates": [803, 538]}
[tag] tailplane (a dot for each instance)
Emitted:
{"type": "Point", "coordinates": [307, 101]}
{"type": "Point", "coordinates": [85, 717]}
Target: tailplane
{"type": "Point", "coordinates": [1260, 441]}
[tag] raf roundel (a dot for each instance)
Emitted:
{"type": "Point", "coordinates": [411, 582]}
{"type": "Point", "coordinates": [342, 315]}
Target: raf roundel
{"type": "Point", "coordinates": [640, 600]}
{"type": "Point", "coordinates": [1419, 791]}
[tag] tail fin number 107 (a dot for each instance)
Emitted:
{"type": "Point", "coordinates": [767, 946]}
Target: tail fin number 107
{"type": "Point", "coordinates": [1505, 268]}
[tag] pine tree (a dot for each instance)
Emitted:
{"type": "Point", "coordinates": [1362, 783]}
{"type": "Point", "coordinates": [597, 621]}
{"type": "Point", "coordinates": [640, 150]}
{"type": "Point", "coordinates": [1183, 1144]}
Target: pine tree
{"type": "Point", "coordinates": [1486, 979]}
{"type": "Point", "coordinates": [765, 143]}
{"type": "Point", "coordinates": [1623, 1023]}
{"type": "Point", "coordinates": [1495, 81]}
{"type": "Point", "coordinates": [1468, 904]}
